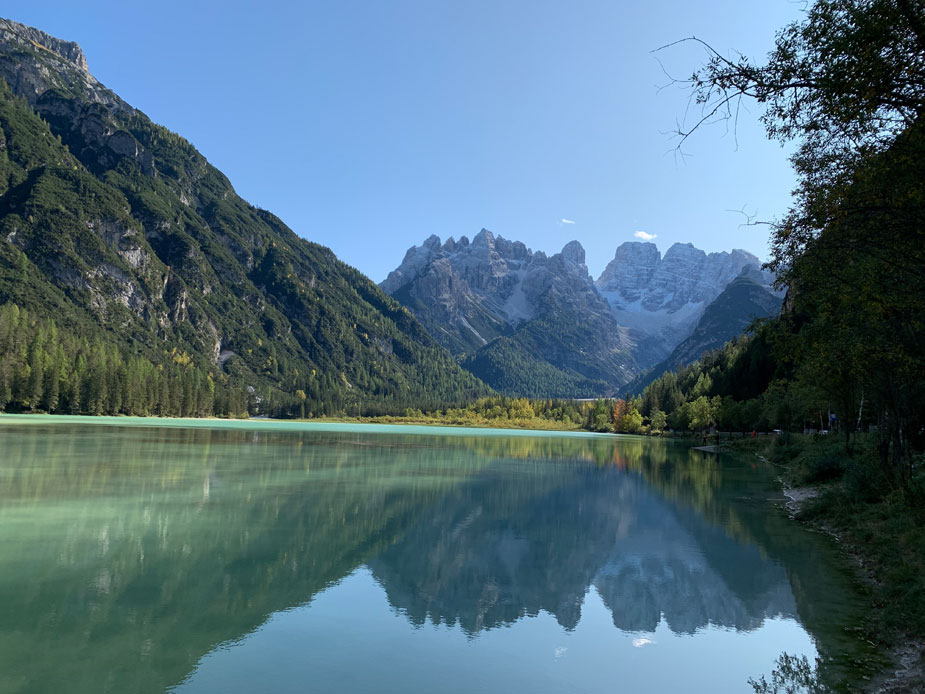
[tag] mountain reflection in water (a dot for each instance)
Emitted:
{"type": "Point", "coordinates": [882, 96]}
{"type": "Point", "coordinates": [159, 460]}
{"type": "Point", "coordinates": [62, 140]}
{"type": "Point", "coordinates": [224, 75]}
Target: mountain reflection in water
{"type": "Point", "coordinates": [130, 552]}
{"type": "Point", "coordinates": [499, 549]}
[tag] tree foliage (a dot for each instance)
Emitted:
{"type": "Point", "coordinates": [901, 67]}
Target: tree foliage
{"type": "Point", "coordinates": [844, 81]}
{"type": "Point", "coordinates": [847, 84]}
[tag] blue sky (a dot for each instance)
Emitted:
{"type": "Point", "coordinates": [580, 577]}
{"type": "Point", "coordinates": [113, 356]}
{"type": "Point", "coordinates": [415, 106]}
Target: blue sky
{"type": "Point", "coordinates": [368, 125]}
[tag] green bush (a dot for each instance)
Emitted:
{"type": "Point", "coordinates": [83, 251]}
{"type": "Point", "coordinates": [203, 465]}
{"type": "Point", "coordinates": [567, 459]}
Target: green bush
{"type": "Point", "coordinates": [822, 465]}
{"type": "Point", "coordinates": [784, 452]}
{"type": "Point", "coordinates": [866, 480]}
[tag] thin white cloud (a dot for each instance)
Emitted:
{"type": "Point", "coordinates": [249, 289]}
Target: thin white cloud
{"type": "Point", "coordinates": [644, 236]}
{"type": "Point", "coordinates": [639, 643]}
{"type": "Point", "coordinates": [567, 221]}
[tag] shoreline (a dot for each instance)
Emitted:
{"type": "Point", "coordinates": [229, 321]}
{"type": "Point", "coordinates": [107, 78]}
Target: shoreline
{"type": "Point", "coordinates": [515, 426]}
{"type": "Point", "coordinates": [904, 650]}
{"type": "Point", "coordinates": [906, 672]}
{"type": "Point", "coordinates": [332, 424]}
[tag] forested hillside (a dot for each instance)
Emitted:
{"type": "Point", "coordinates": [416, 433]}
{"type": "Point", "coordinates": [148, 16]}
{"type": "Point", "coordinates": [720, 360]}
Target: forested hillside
{"type": "Point", "coordinates": [117, 231]}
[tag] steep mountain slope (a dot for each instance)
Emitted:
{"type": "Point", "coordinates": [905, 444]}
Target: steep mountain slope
{"type": "Point", "coordinates": [660, 299]}
{"type": "Point", "coordinates": [466, 294]}
{"type": "Point", "coordinates": [743, 300]}
{"type": "Point", "coordinates": [525, 323]}
{"type": "Point", "coordinates": [114, 225]}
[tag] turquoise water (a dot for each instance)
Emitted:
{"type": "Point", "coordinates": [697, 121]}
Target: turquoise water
{"type": "Point", "coordinates": [145, 555]}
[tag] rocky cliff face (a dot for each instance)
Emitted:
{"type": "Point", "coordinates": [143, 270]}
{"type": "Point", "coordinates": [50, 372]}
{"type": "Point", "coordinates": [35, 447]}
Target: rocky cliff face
{"type": "Point", "coordinates": [544, 309]}
{"type": "Point", "coordinates": [53, 63]}
{"type": "Point", "coordinates": [112, 223]}
{"type": "Point", "coordinates": [472, 292]}
{"type": "Point", "coordinates": [466, 293]}
{"type": "Point", "coordinates": [661, 298]}
{"type": "Point", "coordinates": [497, 304]}
{"type": "Point", "coordinates": [743, 300]}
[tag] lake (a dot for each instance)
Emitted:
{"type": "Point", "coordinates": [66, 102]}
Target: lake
{"type": "Point", "coordinates": [142, 555]}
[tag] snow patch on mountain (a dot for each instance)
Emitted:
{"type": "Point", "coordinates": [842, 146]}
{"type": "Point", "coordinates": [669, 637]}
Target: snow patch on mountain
{"type": "Point", "coordinates": [660, 299]}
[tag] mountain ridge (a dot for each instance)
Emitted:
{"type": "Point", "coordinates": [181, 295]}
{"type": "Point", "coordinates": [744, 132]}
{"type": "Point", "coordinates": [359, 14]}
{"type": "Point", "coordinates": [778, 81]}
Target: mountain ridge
{"type": "Point", "coordinates": [116, 225]}
{"type": "Point", "coordinates": [524, 322]}
{"type": "Point", "coordinates": [515, 317]}
{"type": "Point", "coordinates": [661, 298]}
{"type": "Point", "coordinates": [744, 300]}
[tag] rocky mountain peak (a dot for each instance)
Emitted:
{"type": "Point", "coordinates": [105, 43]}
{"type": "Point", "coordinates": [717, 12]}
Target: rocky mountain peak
{"type": "Point", "coordinates": [416, 259]}
{"type": "Point", "coordinates": [630, 270]}
{"type": "Point", "coordinates": [684, 275]}
{"type": "Point", "coordinates": [661, 298]}
{"type": "Point", "coordinates": [683, 250]}
{"type": "Point", "coordinates": [484, 239]}
{"type": "Point", "coordinates": [471, 295]}
{"type": "Point", "coordinates": [33, 63]}
{"type": "Point", "coordinates": [739, 253]}
{"type": "Point", "coordinates": [573, 252]}
{"type": "Point", "coordinates": [69, 51]}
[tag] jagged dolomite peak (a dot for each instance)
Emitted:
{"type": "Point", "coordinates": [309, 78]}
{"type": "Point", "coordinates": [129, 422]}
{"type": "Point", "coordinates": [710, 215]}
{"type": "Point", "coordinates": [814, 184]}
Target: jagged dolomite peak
{"type": "Point", "coordinates": [416, 259]}
{"type": "Point", "coordinates": [630, 271]}
{"type": "Point", "coordinates": [662, 298]}
{"type": "Point", "coordinates": [26, 35]}
{"type": "Point", "coordinates": [488, 279]}
{"type": "Point", "coordinates": [638, 275]}
{"type": "Point", "coordinates": [469, 294]}
{"type": "Point", "coordinates": [573, 252]}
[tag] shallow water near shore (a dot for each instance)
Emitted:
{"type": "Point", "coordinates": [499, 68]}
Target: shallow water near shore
{"type": "Point", "coordinates": [212, 556]}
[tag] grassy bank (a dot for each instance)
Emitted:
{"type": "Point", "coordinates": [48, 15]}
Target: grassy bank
{"type": "Point", "coordinates": [453, 421]}
{"type": "Point", "coordinates": [878, 519]}
{"type": "Point", "coordinates": [500, 412]}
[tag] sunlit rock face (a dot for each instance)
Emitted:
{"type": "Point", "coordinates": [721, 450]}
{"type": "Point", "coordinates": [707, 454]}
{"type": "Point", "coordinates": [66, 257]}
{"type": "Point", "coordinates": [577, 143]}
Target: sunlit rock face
{"type": "Point", "coordinates": [469, 294]}
{"type": "Point", "coordinates": [65, 65]}
{"type": "Point", "coordinates": [503, 308]}
{"type": "Point", "coordinates": [661, 298]}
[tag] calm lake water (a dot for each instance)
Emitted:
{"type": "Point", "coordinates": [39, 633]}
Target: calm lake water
{"type": "Point", "coordinates": [191, 557]}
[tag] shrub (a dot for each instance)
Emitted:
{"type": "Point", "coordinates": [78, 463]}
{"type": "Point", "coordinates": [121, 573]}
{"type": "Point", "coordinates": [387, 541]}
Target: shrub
{"type": "Point", "coordinates": [822, 465]}
{"type": "Point", "coordinates": [866, 480]}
